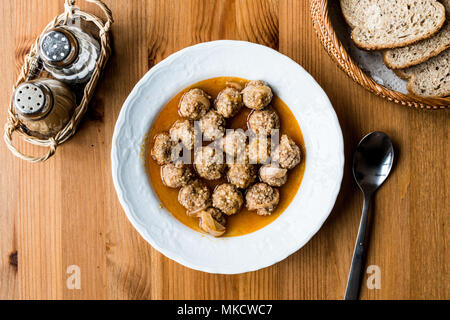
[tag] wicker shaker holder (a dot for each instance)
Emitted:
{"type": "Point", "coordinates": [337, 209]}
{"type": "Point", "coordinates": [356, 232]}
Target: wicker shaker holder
{"type": "Point", "coordinates": [50, 116]}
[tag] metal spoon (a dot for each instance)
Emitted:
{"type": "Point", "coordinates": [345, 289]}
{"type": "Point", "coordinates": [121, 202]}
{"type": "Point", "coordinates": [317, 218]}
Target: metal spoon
{"type": "Point", "coordinates": [372, 163]}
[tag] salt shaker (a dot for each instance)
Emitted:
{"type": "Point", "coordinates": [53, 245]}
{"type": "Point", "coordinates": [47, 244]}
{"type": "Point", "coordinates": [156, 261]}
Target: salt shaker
{"type": "Point", "coordinates": [44, 106]}
{"type": "Point", "coordinates": [69, 54]}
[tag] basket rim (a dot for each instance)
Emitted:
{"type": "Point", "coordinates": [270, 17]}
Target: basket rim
{"type": "Point", "coordinates": [324, 29]}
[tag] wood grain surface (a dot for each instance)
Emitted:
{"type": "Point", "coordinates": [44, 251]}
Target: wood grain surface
{"type": "Point", "coordinates": [65, 212]}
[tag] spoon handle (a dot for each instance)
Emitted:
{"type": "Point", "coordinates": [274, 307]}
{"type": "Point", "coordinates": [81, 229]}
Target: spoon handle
{"type": "Point", "coordinates": [355, 276]}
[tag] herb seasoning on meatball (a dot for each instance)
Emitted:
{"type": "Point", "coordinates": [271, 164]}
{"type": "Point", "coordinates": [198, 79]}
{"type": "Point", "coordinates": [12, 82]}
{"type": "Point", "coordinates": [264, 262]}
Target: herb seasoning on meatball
{"type": "Point", "coordinates": [183, 131]}
{"type": "Point", "coordinates": [259, 149]}
{"type": "Point", "coordinates": [194, 196]}
{"type": "Point", "coordinates": [257, 95]}
{"type": "Point", "coordinates": [228, 102]}
{"type": "Point", "coordinates": [176, 175]}
{"type": "Point", "coordinates": [262, 122]}
{"type": "Point", "coordinates": [234, 145]}
{"type": "Point", "coordinates": [209, 163]}
{"type": "Point", "coordinates": [227, 198]}
{"type": "Point", "coordinates": [287, 153]}
{"type": "Point", "coordinates": [212, 125]}
{"type": "Point", "coordinates": [241, 175]}
{"type": "Point", "coordinates": [194, 104]}
{"type": "Point", "coordinates": [262, 198]}
{"type": "Point", "coordinates": [162, 148]}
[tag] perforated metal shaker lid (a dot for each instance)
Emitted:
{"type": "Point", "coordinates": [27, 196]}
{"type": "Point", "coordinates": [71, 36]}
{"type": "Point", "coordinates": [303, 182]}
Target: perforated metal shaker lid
{"type": "Point", "coordinates": [32, 100]}
{"type": "Point", "coordinates": [58, 47]}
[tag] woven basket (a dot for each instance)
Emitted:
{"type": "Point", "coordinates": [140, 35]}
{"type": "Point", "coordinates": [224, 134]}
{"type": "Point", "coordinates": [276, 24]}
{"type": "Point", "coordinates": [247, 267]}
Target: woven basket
{"type": "Point", "coordinates": [13, 124]}
{"type": "Point", "coordinates": [324, 29]}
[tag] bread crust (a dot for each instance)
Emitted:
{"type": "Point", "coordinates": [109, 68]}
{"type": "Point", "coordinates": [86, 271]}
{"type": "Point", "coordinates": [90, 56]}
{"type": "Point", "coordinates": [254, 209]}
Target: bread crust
{"type": "Point", "coordinates": [411, 78]}
{"type": "Point", "coordinates": [398, 44]}
{"type": "Point", "coordinates": [444, 46]}
{"type": "Point", "coordinates": [409, 87]}
{"type": "Point", "coordinates": [415, 62]}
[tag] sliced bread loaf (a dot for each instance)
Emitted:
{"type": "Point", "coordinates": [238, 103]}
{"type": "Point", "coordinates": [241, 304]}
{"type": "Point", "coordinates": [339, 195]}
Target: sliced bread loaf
{"type": "Point", "coordinates": [419, 52]}
{"type": "Point", "coordinates": [387, 24]}
{"type": "Point", "coordinates": [430, 78]}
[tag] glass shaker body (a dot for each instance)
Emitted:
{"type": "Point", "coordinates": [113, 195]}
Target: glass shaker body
{"type": "Point", "coordinates": [43, 106]}
{"type": "Point", "coordinates": [69, 54]}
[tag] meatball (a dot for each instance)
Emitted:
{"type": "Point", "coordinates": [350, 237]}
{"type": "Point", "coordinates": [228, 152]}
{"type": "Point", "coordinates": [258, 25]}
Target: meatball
{"type": "Point", "coordinates": [273, 175]}
{"type": "Point", "coordinates": [259, 150]}
{"type": "Point", "coordinates": [209, 163]}
{"type": "Point", "coordinates": [234, 144]}
{"type": "Point", "coordinates": [183, 130]}
{"type": "Point", "coordinates": [176, 175]}
{"type": "Point", "coordinates": [262, 122]}
{"type": "Point", "coordinates": [194, 104]}
{"type": "Point", "coordinates": [162, 148]}
{"type": "Point", "coordinates": [262, 198]}
{"type": "Point", "coordinates": [227, 198]}
{"type": "Point", "coordinates": [241, 175]}
{"type": "Point", "coordinates": [257, 95]}
{"type": "Point", "coordinates": [212, 221]}
{"type": "Point", "coordinates": [228, 102]}
{"type": "Point", "coordinates": [287, 153]}
{"type": "Point", "coordinates": [194, 196]}
{"type": "Point", "coordinates": [212, 125]}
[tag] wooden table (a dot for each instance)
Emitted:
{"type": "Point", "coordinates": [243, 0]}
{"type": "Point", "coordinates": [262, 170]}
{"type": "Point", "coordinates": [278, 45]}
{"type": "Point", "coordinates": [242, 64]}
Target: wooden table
{"type": "Point", "coordinates": [65, 212]}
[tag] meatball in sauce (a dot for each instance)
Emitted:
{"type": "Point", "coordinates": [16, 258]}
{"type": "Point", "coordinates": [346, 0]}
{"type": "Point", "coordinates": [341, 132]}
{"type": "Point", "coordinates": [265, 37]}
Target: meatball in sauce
{"type": "Point", "coordinates": [234, 144]}
{"type": "Point", "coordinates": [194, 104]}
{"type": "Point", "coordinates": [209, 163]}
{"type": "Point", "coordinates": [227, 198]}
{"type": "Point", "coordinates": [287, 153]}
{"type": "Point", "coordinates": [176, 175]}
{"type": "Point", "coordinates": [195, 196]}
{"type": "Point", "coordinates": [242, 175]}
{"type": "Point", "coordinates": [162, 148]}
{"type": "Point", "coordinates": [212, 125]}
{"type": "Point", "coordinates": [229, 102]}
{"type": "Point", "coordinates": [263, 122]}
{"type": "Point", "coordinates": [259, 150]}
{"type": "Point", "coordinates": [262, 198]}
{"type": "Point", "coordinates": [257, 95]}
{"type": "Point", "coordinates": [183, 131]}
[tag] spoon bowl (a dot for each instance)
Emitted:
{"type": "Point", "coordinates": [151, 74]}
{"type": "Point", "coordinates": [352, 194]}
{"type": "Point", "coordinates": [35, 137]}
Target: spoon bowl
{"type": "Point", "coordinates": [372, 161]}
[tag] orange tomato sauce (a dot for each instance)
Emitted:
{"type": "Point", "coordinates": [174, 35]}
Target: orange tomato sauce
{"type": "Point", "coordinates": [245, 221]}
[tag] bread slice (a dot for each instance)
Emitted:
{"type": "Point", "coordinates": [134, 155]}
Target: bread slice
{"type": "Point", "coordinates": [446, 4]}
{"type": "Point", "coordinates": [429, 79]}
{"type": "Point", "coordinates": [387, 24]}
{"type": "Point", "coordinates": [419, 52]}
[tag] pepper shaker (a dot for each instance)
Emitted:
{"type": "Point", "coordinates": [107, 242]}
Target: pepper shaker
{"type": "Point", "coordinates": [43, 106]}
{"type": "Point", "coordinates": [69, 54]}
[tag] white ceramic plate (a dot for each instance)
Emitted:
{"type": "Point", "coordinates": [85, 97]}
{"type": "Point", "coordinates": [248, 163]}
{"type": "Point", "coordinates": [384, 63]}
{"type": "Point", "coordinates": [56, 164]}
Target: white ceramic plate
{"type": "Point", "coordinates": [317, 193]}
